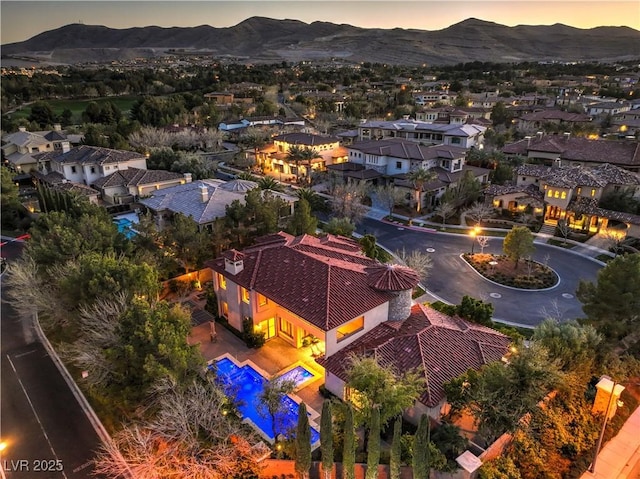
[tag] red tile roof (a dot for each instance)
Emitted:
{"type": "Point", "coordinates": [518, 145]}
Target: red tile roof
{"type": "Point", "coordinates": [392, 277]}
{"type": "Point", "coordinates": [441, 346]}
{"type": "Point", "coordinates": [322, 280]}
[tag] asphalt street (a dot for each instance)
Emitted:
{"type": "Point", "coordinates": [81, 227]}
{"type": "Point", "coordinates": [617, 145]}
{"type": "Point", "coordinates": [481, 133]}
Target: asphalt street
{"type": "Point", "coordinates": [451, 278]}
{"type": "Point", "coordinates": [47, 434]}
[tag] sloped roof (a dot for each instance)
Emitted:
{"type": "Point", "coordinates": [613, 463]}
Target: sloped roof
{"type": "Point", "coordinates": [440, 346]}
{"type": "Point", "coordinates": [306, 139]}
{"type": "Point", "coordinates": [406, 149]}
{"type": "Point", "coordinates": [547, 115]}
{"type": "Point", "coordinates": [86, 154]}
{"type": "Point", "coordinates": [322, 280]}
{"type": "Point", "coordinates": [391, 277]}
{"type": "Point", "coordinates": [135, 177]}
{"type": "Point", "coordinates": [573, 176]}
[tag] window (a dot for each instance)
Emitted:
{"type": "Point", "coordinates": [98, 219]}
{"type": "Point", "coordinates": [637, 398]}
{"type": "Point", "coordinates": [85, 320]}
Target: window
{"type": "Point", "coordinates": [222, 281]}
{"type": "Point", "coordinates": [550, 193]}
{"type": "Point", "coordinates": [593, 192]}
{"type": "Point", "coordinates": [398, 165]}
{"type": "Point", "coordinates": [524, 178]}
{"type": "Point", "coordinates": [556, 194]}
{"type": "Point", "coordinates": [286, 328]}
{"type": "Point", "coordinates": [262, 300]}
{"type": "Point", "coordinates": [245, 294]}
{"type": "Point", "coordinates": [352, 327]}
{"type": "Point", "coordinates": [93, 169]}
{"type": "Point", "coordinates": [455, 141]}
{"type": "Point", "coordinates": [579, 189]}
{"type": "Point", "coordinates": [225, 309]}
{"type": "Point", "coordinates": [563, 195]}
{"type": "Point", "coordinates": [73, 169]}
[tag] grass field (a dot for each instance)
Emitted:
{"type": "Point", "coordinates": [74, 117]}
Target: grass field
{"type": "Point", "coordinates": [124, 103]}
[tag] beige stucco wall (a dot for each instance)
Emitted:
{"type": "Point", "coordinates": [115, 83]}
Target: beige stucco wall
{"type": "Point", "coordinates": [414, 413]}
{"type": "Point", "coordinates": [372, 318]}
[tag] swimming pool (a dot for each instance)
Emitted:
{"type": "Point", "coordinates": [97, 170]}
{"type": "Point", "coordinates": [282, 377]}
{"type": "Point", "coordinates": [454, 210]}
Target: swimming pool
{"type": "Point", "coordinates": [246, 384]}
{"type": "Point", "coordinates": [124, 226]}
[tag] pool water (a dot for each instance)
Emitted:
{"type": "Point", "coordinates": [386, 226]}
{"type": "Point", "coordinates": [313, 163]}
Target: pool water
{"type": "Point", "coordinates": [124, 227]}
{"type": "Point", "coordinates": [246, 384]}
{"type": "Point", "coordinates": [298, 375]}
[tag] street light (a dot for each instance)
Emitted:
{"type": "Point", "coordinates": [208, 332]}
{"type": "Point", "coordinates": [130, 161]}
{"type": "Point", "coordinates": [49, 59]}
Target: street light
{"type": "Point", "coordinates": [473, 233]}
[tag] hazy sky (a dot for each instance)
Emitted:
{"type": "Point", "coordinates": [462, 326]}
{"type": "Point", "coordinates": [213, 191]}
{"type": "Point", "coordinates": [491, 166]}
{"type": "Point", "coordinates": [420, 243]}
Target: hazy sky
{"type": "Point", "coordinates": [23, 19]}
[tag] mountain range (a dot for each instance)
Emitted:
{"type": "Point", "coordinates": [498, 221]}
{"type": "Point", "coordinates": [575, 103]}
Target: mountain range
{"type": "Point", "coordinates": [260, 39]}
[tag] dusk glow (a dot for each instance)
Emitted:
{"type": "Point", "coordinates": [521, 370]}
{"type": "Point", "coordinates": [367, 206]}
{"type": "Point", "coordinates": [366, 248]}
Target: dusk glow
{"type": "Point", "coordinates": [23, 19]}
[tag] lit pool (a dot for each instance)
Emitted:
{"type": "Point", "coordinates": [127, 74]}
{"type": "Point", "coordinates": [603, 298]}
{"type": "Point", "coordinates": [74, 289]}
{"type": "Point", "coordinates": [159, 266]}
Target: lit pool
{"type": "Point", "coordinates": [246, 384]}
{"type": "Point", "coordinates": [124, 227]}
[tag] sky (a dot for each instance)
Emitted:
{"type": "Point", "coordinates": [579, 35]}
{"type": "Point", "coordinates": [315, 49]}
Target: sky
{"type": "Point", "coordinates": [22, 19]}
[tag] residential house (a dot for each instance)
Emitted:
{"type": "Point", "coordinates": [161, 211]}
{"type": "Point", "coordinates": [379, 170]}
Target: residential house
{"type": "Point", "coordinates": [626, 123]}
{"type": "Point", "coordinates": [431, 98]}
{"type": "Point", "coordinates": [20, 147]}
{"type": "Point", "coordinates": [536, 121]}
{"type": "Point", "coordinates": [260, 121]}
{"type": "Point", "coordinates": [607, 108]}
{"type": "Point", "coordinates": [455, 116]}
{"type": "Point", "coordinates": [438, 346]}
{"type": "Point", "coordinates": [565, 150]}
{"type": "Point", "coordinates": [465, 136]}
{"type": "Point", "coordinates": [86, 164]}
{"type": "Point", "coordinates": [392, 159]}
{"type": "Point", "coordinates": [569, 193]}
{"type": "Point", "coordinates": [127, 186]}
{"type": "Point", "coordinates": [203, 200]}
{"type": "Point", "coordinates": [297, 288]}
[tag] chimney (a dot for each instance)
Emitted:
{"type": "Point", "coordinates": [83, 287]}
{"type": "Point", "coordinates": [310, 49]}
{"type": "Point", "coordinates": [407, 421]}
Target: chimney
{"type": "Point", "coordinates": [528, 138]}
{"type": "Point", "coordinates": [539, 135]}
{"type": "Point", "coordinates": [187, 177]}
{"type": "Point", "coordinates": [204, 193]}
{"type": "Point", "coordinates": [233, 261]}
{"type": "Point", "coordinates": [394, 279]}
{"type": "Point", "coordinates": [66, 146]}
{"type": "Point", "coordinates": [566, 135]}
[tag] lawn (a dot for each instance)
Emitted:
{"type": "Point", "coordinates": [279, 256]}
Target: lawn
{"type": "Point", "coordinates": [124, 103]}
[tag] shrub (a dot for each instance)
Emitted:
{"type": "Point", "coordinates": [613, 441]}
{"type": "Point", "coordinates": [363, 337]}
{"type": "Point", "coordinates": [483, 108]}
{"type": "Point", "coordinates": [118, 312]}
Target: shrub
{"type": "Point", "coordinates": [251, 338]}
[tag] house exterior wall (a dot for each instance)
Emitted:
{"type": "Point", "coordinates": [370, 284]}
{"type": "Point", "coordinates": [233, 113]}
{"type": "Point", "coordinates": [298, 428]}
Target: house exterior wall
{"type": "Point", "coordinates": [334, 384]}
{"type": "Point", "coordinates": [414, 413]}
{"type": "Point", "coordinates": [372, 318]}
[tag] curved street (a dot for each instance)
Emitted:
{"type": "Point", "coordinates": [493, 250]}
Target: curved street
{"type": "Point", "coordinates": [451, 278]}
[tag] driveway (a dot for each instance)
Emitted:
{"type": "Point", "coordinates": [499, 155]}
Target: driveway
{"type": "Point", "coordinates": [451, 278]}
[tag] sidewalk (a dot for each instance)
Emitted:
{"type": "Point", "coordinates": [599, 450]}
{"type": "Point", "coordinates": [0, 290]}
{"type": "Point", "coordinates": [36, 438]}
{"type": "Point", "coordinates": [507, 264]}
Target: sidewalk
{"type": "Point", "coordinates": [620, 457]}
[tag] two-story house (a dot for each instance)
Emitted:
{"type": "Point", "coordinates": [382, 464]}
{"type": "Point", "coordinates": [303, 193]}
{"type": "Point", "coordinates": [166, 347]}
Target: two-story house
{"type": "Point", "coordinates": [534, 122]}
{"type": "Point", "coordinates": [127, 186]}
{"type": "Point", "coordinates": [19, 148]}
{"type": "Point", "coordinates": [462, 135]}
{"type": "Point", "coordinates": [86, 164]}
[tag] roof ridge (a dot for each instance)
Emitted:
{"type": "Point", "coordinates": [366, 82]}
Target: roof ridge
{"type": "Point", "coordinates": [328, 311]}
{"type": "Point", "coordinates": [256, 265]}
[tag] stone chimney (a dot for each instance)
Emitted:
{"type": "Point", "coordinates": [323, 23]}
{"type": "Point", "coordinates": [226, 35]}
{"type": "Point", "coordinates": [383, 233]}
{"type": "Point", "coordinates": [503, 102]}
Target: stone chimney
{"type": "Point", "coordinates": [204, 193]}
{"type": "Point", "coordinates": [66, 146]}
{"type": "Point", "coordinates": [187, 177]}
{"type": "Point", "coordinates": [233, 261]}
{"type": "Point", "coordinates": [396, 279]}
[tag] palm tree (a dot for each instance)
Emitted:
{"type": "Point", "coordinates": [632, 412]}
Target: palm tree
{"type": "Point", "coordinates": [269, 183]}
{"type": "Point", "coordinates": [254, 139]}
{"type": "Point", "coordinates": [301, 154]}
{"type": "Point", "coordinates": [419, 178]}
{"type": "Point", "coordinates": [317, 202]}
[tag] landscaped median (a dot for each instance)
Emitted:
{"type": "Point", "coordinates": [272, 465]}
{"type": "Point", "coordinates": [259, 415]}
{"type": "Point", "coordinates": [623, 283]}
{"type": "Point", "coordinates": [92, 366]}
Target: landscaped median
{"type": "Point", "coordinates": [527, 274]}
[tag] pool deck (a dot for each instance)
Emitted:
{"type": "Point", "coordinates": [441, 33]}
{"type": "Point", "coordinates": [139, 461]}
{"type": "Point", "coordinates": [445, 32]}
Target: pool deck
{"type": "Point", "coordinates": [274, 357]}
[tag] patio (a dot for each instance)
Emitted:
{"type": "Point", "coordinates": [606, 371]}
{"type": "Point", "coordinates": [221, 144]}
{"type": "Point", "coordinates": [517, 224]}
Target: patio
{"type": "Point", "coordinates": [275, 356]}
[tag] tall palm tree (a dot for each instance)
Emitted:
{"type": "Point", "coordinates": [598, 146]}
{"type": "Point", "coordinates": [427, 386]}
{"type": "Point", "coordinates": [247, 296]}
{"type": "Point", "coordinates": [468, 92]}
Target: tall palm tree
{"type": "Point", "coordinates": [301, 155]}
{"type": "Point", "coordinates": [254, 139]}
{"type": "Point", "coordinates": [419, 178]}
{"type": "Point", "coordinates": [269, 183]}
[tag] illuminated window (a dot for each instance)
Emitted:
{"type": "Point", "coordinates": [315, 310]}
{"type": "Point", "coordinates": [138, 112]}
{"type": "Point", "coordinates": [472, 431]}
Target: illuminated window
{"type": "Point", "coordinates": [245, 294]}
{"type": "Point", "coordinates": [225, 309]}
{"type": "Point", "coordinates": [564, 195]}
{"type": "Point", "coordinates": [593, 192]}
{"type": "Point", "coordinates": [579, 190]}
{"type": "Point", "coordinates": [556, 194]}
{"type": "Point", "coordinates": [222, 281]}
{"type": "Point", "coordinates": [286, 328]}
{"type": "Point", "coordinates": [262, 300]}
{"type": "Point", "coordinates": [550, 193]}
{"type": "Point", "coordinates": [350, 328]}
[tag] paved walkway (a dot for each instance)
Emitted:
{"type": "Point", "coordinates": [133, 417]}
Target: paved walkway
{"type": "Point", "coordinates": [620, 457]}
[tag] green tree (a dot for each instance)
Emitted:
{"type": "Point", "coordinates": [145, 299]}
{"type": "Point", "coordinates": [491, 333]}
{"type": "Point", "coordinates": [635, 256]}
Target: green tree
{"type": "Point", "coordinates": [372, 250]}
{"type": "Point", "coordinates": [475, 310]}
{"type": "Point", "coordinates": [317, 202]}
{"type": "Point", "coordinates": [340, 226]}
{"type": "Point", "coordinates": [395, 460]}
{"type": "Point", "coordinates": [302, 221]}
{"type": "Point", "coordinates": [185, 242]}
{"type": "Point", "coordinates": [301, 155]}
{"type": "Point", "coordinates": [9, 200]}
{"type": "Point", "coordinates": [269, 183]}
{"type": "Point", "coordinates": [419, 178]}
{"type": "Point", "coordinates": [326, 438]}
{"type": "Point", "coordinates": [612, 304]}
{"type": "Point", "coordinates": [500, 115]}
{"type": "Point", "coordinates": [501, 174]}
{"type": "Point", "coordinates": [349, 444]}
{"type": "Point", "coordinates": [500, 468]}
{"type": "Point", "coordinates": [518, 244]}
{"type": "Point", "coordinates": [373, 445]}
{"type": "Point", "coordinates": [448, 439]}
{"type": "Point", "coordinates": [42, 114]}
{"type": "Point", "coordinates": [379, 386]}
{"type": "Point", "coordinates": [303, 443]}
{"type": "Point", "coordinates": [272, 404]}
{"type": "Point", "coordinates": [421, 466]}
{"type": "Point", "coordinates": [254, 139]}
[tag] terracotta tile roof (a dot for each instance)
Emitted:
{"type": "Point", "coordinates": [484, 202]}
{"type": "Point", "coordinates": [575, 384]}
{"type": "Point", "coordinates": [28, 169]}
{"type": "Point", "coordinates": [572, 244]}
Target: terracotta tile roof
{"type": "Point", "coordinates": [322, 280]}
{"type": "Point", "coordinates": [440, 346]}
{"type": "Point", "coordinates": [589, 206]}
{"type": "Point", "coordinates": [135, 177]}
{"type": "Point", "coordinates": [547, 115]}
{"type": "Point", "coordinates": [391, 277]}
{"type": "Point", "coordinates": [306, 139]}
{"type": "Point", "coordinates": [406, 149]}
{"type": "Point", "coordinates": [91, 155]}
{"type": "Point", "coordinates": [528, 191]}
{"type": "Point", "coordinates": [573, 176]}
{"type": "Point", "coordinates": [233, 255]}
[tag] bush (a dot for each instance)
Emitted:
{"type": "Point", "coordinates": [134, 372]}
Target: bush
{"type": "Point", "coordinates": [251, 338]}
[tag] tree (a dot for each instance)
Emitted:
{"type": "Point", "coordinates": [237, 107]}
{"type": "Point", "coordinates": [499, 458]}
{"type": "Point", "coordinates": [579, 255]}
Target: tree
{"type": "Point", "coordinates": [372, 250]}
{"type": "Point", "coordinates": [317, 202]}
{"type": "Point", "coordinates": [502, 173]}
{"type": "Point", "coordinates": [395, 460]}
{"type": "Point", "coordinates": [373, 445]}
{"type": "Point", "coordinates": [478, 212]}
{"type": "Point", "coordinates": [185, 242]}
{"type": "Point", "coordinates": [466, 191]}
{"type": "Point", "coordinates": [42, 114]}
{"type": "Point", "coordinates": [303, 222]}
{"type": "Point", "coordinates": [379, 386]}
{"type": "Point", "coordinates": [419, 178]}
{"type": "Point", "coordinates": [349, 444]}
{"type": "Point", "coordinates": [564, 229]}
{"type": "Point", "coordinates": [475, 310]}
{"type": "Point", "coordinates": [302, 155]}
{"type": "Point", "coordinates": [254, 139]}
{"type": "Point", "coordinates": [518, 244]}
{"type": "Point", "coordinates": [421, 467]}
{"type": "Point", "coordinates": [269, 183]}
{"type": "Point", "coordinates": [346, 201]}
{"type": "Point", "coordinates": [444, 210]}
{"type": "Point", "coordinates": [388, 196]}
{"type": "Point", "coordinates": [418, 261]}
{"type": "Point", "coordinates": [9, 200]}
{"type": "Point", "coordinates": [612, 305]}
{"type": "Point", "coordinates": [340, 226]}
{"type": "Point", "coordinates": [326, 438]}
{"type": "Point", "coordinates": [303, 443]}
{"type": "Point", "coordinates": [272, 404]}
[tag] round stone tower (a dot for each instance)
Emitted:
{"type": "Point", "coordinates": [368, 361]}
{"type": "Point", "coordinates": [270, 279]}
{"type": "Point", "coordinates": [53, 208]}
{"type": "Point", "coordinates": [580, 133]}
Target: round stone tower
{"type": "Point", "coordinates": [396, 279]}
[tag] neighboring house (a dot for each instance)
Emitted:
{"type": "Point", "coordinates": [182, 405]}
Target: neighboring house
{"type": "Point", "coordinates": [438, 346]}
{"type": "Point", "coordinates": [392, 159]}
{"type": "Point", "coordinates": [430, 98]}
{"type": "Point", "coordinates": [203, 200]}
{"type": "Point", "coordinates": [465, 136]}
{"type": "Point", "coordinates": [607, 108]}
{"type": "Point", "coordinates": [274, 121]}
{"type": "Point", "coordinates": [19, 148]}
{"type": "Point", "coordinates": [276, 157]}
{"type": "Point", "coordinates": [55, 181]}
{"type": "Point", "coordinates": [568, 193]}
{"type": "Point", "coordinates": [565, 150]}
{"type": "Point", "coordinates": [455, 116]}
{"type": "Point", "coordinates": [126, 186]}
{"type": "Point", "coordinates": [86, 164]}
{"type": "Point", "coordinates": [534, 122]}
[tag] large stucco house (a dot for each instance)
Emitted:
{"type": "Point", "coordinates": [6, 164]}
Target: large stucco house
{"type": "Point", "coordinates": [127, 186]}
{"type": "Point", "coordinates": [297, 288]}
{"type": "Point", "coordinates": [19, 149]}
